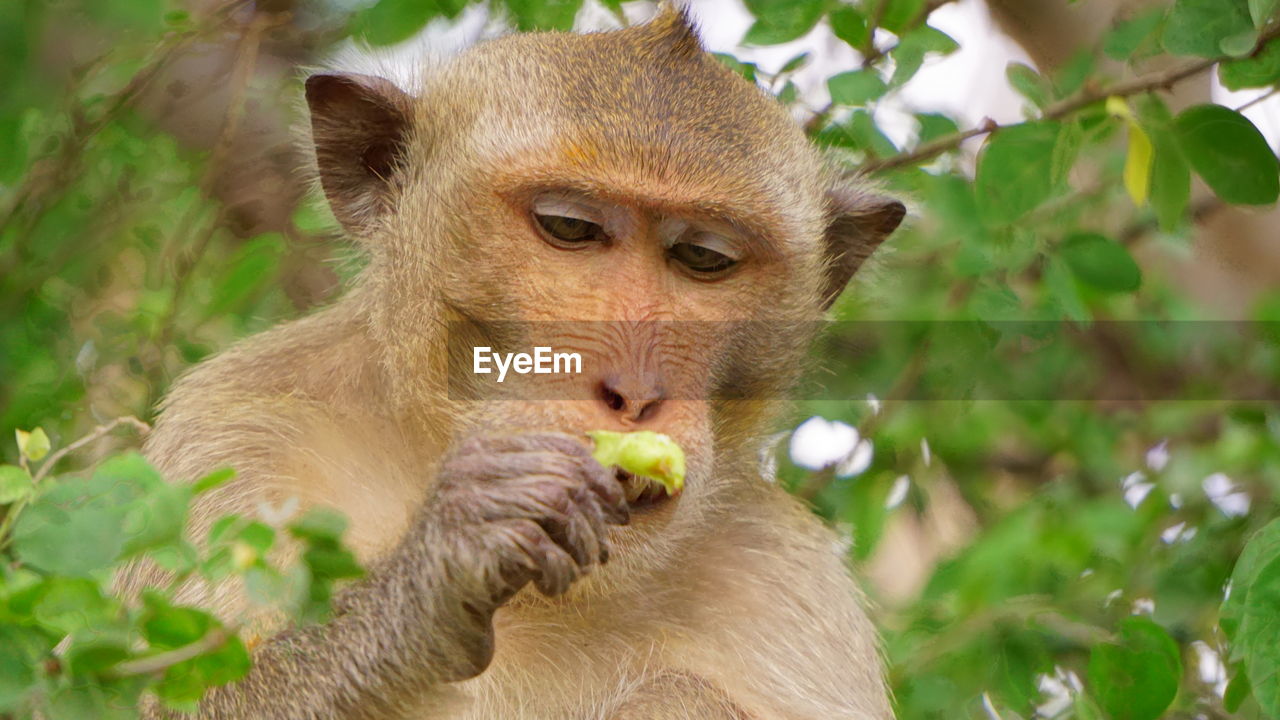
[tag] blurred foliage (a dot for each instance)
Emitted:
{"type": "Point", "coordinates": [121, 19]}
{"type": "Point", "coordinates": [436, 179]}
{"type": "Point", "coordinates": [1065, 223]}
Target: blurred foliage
{"type": "Point", "coordinates": [74, 648]}
{"type": "Point", "coordinates": [1104, 493]}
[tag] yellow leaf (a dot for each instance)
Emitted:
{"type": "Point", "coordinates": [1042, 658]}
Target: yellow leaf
{"type": "Point", "coordinates": [33, 445]}
{"type": "Point", "coordinates": [243, 556]}
{"type": "Point", "coordinates": [1137, 165]}
{"type": "Point", "coordinates": [1119, 107]}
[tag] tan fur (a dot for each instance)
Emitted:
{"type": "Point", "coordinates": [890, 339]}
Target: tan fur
{"type": "Point", "coordinates": [731, 602]}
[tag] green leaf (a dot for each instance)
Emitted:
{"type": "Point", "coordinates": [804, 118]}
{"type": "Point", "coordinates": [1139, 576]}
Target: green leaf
{"type": "Point", "coordinates": [1128, 36]}
{"type": "Point", "coordinates": [1261, 549]}
{"type": "Point", "coordinates": [257, 535]}
{"type": "Point", "coordinates": [215, 479]}
{"type": "Point", "coordinates": [1029, 84]}
{"type": "Point", "coordinates": [15, 484]}
{"type": "Point", "coordinates": [746, 70]}
{"type": "Point", "coordinates": [859, 132]}
{"type": "Point", "coordinates": [319, 524]}
{"type": "Point", "coordinates": [780, 21]}
{"type": "Point", "coordinates": [178, 558]}
{"type": "Point", "coordinates": [1198, 27]}
{"type": "Point", "coordinates": [1261, 70]}
{"type": "Point", "coordinates": [1018, 170]}
{"type": "Point", "coordinates": [20, 650]}
{"type": "Point", "coordinates": [795, 63]}
{"type": "Point", "coordinates": [71, 604]}
{"type": "Point", "coordinates": [78, 526]}
{"type": "Point", "coordinates": [1170, 173]}
{"type": "Point", "coordinates": [1230, 154]}
{"type": "Point", "coordinates": [908, 56]}
{"type": "Point", "coordinates": [69, 532]}
{"type": "Point", "coordinates": [1261, 11]}
{"type": "Point", "coordinates": [1063, 291]}
{"type": "Point", "coordinates": [1101, 262]}
{"type": "Point", "coordinates": [94, 651]}
{"type": "Point", "coordinates": [186, 682]}
{"type": "Point", "coordinates": [252, 269]}
{"type": "Point", "coordinates": [542, 14]}
{"type": "Point", "coordinates": [1238, 690]}
{"type": "Point", "coordinates": [1137, 678]}
{"type": "Point", "coordinates": [899, 14]}
{"type": "Point", "coordinates": [329, 563]}
{"type": "Point", "coordinates": [850, 25]}
{"type": "Point", "coordinates": [857, 87]}
{"type": "Point", "coordinates": [392, 21]}
{"type": "Point", "coordinates": [1240, 44]}
{"type": "Point", "coordinates": [1070, 78]}
{"type": "Point", "coordinates": [934, 126]}
{"type": "Point", "coordinates": [166, 627]}
{"type": "Point", "coordinates": [1262, 643]}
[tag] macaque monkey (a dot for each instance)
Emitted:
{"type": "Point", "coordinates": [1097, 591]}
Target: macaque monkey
{"type": "Point", "coordinates": [621, 195]}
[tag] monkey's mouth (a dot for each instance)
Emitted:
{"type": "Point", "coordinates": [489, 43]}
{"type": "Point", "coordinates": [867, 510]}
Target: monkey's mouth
{"type": "Point", "coordinates": [642, 493]}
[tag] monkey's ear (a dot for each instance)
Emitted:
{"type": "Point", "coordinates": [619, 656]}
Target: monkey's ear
{"type": "Point", "coordinates": [859, 222]}
{"type": "Point", "coordinates": [359, 124]}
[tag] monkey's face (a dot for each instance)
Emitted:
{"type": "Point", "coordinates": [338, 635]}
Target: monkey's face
{"type": "Point", "coordinates": [673, 296]}
{"type": "Point", "coordinates": [621, 198]}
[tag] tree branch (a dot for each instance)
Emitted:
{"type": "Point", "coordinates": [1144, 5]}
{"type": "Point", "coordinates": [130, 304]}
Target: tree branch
{"type": "Point", "coordinates": [93, 435]}
{"type": "Point", "coordinates": [1155, 81]}
{"type": "Point", "coordinates": [212, 640]}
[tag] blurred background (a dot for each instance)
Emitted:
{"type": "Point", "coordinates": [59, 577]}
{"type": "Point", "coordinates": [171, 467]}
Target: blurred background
{"type": "Point", "coordinates": [1030, 426]}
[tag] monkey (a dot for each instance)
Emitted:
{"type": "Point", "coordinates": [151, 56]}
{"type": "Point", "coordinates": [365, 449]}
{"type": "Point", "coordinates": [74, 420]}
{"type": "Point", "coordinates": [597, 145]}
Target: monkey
{"type": "Point", "coordinates": [621, 194]}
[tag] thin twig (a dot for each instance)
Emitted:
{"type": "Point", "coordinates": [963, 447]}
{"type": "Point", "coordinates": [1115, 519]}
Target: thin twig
{"type": "Point", "coordinates": [93, 435]}
{"type": "Point", "coordinates": [165, 660]}
{"type": "Point", "coordinates": [1147, 83]}
{"type": "Point", "coordinates": [16, 509]}
{"type": "Point", "coordinates": [1261, 98]}
{"type": "Point", "coordinates": [932, 148]}
{"type": "Point", "coordinates": [246, 60]}
{"type": "Point", "coordinates": [873, 23]}
{"type": "Point", "coordinates": [874, 53]}
{"type": "Point", "coordinates": [49, 174]}
{"type": "Point", "coordinates": [870, 55]}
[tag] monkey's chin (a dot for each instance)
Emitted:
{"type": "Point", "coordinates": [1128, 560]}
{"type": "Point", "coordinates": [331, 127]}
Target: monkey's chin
{"type": "Point", "coordinates": [643, 494]}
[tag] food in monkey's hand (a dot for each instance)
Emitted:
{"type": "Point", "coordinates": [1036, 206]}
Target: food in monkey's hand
{"type": "Point", "coordinates": [643, 453]}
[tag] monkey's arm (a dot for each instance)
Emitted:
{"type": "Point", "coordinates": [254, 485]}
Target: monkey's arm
{"type": "Point", "coordinates": [395, 634]}
{"type": "Point", "coordinates": [505, 511]}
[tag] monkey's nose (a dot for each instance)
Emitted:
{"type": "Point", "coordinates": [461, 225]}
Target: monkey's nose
{"type": "Point", "coordinates": [635, 398]}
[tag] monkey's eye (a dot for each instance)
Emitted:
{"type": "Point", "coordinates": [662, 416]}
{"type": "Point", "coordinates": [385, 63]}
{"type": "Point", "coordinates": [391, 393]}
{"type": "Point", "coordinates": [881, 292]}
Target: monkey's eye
{"type": "Point", "coordinates": [566, 230]}
{"type": "Point", "coordinates": [704, 254]}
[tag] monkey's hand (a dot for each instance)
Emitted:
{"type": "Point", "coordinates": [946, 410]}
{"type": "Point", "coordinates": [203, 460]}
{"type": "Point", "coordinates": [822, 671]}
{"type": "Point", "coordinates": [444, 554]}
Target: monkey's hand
{"type": "Point", "coordinates": [530, 507]}
{"type": "Point", "coordinates": [506, 511]}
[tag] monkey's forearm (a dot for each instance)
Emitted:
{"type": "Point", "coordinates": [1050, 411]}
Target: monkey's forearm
{"type": "Point", "coordinates": [405, 629]}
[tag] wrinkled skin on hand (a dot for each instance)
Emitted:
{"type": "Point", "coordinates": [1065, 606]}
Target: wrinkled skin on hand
{"type": "Point", "coordinates": [531, 507]}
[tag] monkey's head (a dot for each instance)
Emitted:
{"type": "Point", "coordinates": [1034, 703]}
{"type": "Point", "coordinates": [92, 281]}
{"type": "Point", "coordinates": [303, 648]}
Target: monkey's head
{"type": "Point", "coordinates": [621, 195]}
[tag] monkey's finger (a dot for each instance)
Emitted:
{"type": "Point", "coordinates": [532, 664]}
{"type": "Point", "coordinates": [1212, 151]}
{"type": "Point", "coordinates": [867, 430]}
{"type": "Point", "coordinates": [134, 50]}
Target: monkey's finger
{"type": "Point", "coordinates": [613, 499]}
{"type": "Point", "coordinates": [596, 515]}
{"type": "Point", "coordinates": [531, 497]}
{"type": "Point", "coordinates": [538, 559]}
{"type": "Point", "coordinates": [576, 535]}
{"type": "Point", "coordinates": [534, 441]}
{"type": "Point", "coordinates": [508, 465]}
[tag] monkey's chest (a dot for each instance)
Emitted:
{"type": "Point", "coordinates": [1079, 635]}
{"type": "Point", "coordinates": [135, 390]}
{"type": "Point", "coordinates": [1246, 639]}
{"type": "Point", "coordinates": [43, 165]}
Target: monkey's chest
{"type": "Point", "coordinates": [572, 678]}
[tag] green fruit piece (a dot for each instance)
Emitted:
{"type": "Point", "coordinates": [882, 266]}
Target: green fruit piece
{"type": "Point", "coordinates": [646, 453]}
